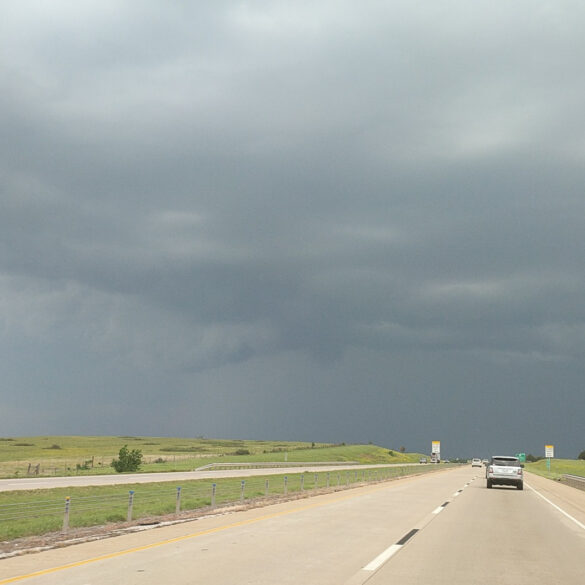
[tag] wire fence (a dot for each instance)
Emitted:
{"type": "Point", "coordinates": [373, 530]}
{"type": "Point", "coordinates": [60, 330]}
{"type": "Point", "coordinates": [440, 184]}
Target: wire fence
{"type": "Point", "coordinates": [30, 514]}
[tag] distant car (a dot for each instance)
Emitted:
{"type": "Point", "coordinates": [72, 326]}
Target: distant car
{"type": "Point", "coordinates": [476, 462]}
{"type": "Point", "coordinates": [422, 460]}
{"type": "Point", "coordinates": [485, 462]}
{"type": "Point", "coordinates": [505, 470]}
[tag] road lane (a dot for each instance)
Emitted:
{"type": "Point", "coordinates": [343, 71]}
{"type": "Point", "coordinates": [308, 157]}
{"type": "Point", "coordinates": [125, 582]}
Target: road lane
{"type": "Point", "coordinates": [40, 483]}
{"type": "Point", "coordinates": [502, 536]}
{"type": "Point", "coordinates": [324, 539]}
{"type": "Point", "coordinates": [443, 528]}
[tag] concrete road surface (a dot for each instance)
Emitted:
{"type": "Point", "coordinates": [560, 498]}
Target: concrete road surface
{"type": "Point", "coordinates": [41, 483]}
{"type": "Point", "coordinates": [440, 528]}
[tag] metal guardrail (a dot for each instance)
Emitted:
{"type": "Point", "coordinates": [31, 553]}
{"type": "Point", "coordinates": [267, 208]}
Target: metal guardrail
{"type": "Point", "coordinates": [272, 464]}
{"type": "Point", "coordinates": [575, 481]}
{"type": "Point", "coordinates": [38, 516]}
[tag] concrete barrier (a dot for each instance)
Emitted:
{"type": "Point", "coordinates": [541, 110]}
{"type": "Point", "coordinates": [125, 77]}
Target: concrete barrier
{"type": "Point", "coordinates": [575, 481]}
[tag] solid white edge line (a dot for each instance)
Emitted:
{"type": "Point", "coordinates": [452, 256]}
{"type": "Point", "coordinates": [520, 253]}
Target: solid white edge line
{"type": "Point", "coordinates": [579, 524]}
{"type": "Point", "coordinates": [383, 557]}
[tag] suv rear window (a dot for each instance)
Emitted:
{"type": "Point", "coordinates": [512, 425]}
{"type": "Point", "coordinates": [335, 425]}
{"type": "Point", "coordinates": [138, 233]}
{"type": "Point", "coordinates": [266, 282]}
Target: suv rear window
{"type": "Point", "coordinates": [506, 462]}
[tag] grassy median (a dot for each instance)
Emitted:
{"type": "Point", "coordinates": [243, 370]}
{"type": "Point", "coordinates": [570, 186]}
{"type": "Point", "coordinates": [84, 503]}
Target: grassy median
{"type": "Point", "coordinates": [36, 512]}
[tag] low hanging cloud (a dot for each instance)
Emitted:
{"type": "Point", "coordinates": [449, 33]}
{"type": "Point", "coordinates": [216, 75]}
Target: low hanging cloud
{"type": "Point", "coordinates": [260, 199]}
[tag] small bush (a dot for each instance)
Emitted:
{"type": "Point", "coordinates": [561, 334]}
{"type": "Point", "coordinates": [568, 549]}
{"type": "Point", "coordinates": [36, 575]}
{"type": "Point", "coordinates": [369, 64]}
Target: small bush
{"type": "Point", "coordinates": [581, 455]}
{"type": "Point", "coordinates": [127, 460]}
{"type": "Point", "coordinates": [241, 452]}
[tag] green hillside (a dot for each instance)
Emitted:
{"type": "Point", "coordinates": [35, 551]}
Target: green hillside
{"type": "Point", "coordinates": [80, 455]}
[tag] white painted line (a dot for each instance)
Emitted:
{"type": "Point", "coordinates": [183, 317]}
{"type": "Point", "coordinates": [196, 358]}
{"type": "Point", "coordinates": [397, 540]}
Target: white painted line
{"type": "Point", "coordinates": [438, 510]}
{"type": "Point", "coordinates": [579, 524]}
{"type": "Point", "coordinates": [383, 557]}
{"type": "Point", "coordinates": [456, 494]}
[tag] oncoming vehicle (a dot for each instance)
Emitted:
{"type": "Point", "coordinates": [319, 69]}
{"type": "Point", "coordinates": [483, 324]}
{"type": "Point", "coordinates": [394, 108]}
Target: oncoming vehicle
{"type": "Point", "coordinates": [476, 462]}
{"type": "Point", "coordinates": [505, 470]}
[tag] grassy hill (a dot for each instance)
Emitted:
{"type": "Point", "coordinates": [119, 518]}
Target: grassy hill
{"type": "Point", "coordinates": [81, 455]}
{"type": "Point", "coordinates": [557, 468]}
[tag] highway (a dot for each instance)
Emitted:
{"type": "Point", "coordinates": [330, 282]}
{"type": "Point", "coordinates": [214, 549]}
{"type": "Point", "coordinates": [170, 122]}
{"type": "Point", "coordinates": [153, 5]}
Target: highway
{"type": "Point", "coordinates": [41, 483]}
{"type": "Point", "coordinates": [442, 528]}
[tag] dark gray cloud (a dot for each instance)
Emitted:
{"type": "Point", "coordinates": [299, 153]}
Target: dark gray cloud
{"type": "Point", "coordinates": [317, 221]}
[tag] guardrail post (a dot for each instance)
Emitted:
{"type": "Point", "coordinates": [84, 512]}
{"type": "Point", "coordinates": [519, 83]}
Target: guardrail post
{"type": "Point", "coordinates": [285, 485]}
{"type": "Point", "coordinates": [130, 504]}
{"type": "Point", "coordinates": [213, 490]}
{"type": "Point", "coordinates": [242, 492]}
{"type": "Point", "coordinates": [178, 504]}
{"type": "Point", "coordinates": [66, 516]}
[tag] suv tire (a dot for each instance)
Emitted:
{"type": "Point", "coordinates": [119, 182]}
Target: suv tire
{"type": "Point", "coordinates": [489, 483]}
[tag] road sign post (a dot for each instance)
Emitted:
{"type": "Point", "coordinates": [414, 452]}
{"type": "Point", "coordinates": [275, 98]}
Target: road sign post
{"type": "Point", "coordinates": [435, 451]}
{"type": "Point", "coordinates": [549, 453]}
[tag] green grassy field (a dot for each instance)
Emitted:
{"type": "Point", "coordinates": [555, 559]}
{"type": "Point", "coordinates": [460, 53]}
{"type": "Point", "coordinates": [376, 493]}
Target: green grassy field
{"type": "Point", "coordinates": [67, 455]}
{"type": "Point", "coordinates": [558, 467]}
{"type": "Point", "coordinates": [36, 512]}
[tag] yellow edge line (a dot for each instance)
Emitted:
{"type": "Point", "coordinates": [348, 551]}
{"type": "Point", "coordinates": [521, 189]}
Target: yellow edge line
{"type": "Point", "coordinates": [177, 539]}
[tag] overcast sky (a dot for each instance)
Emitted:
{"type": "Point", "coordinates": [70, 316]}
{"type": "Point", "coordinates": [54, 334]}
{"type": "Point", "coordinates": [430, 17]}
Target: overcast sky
{"type": "Point", "coordinates": [330, 221]}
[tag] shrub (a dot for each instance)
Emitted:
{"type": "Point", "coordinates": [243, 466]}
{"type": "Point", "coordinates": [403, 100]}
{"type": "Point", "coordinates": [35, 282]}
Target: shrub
{"type": "Point", "coordinates": [581, 455]}
{"type": "Point", "coordinates": [127, 460]}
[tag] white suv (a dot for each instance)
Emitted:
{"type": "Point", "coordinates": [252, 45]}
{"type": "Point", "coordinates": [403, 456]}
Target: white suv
{"type": "Point", "coordinates": [505, 470]}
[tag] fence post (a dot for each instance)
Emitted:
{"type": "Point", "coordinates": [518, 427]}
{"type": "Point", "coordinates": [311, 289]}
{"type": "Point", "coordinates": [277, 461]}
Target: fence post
{"type": "Point", "coordinates": [130, 504]}
{"type": "Point", "coordinates": [242, 492]}
{"type": "Point", "coordinates": [285, 485]}
{"type": "Point", "coordinates": [266, 488]}
{"type": "Point", "coordinates": [316, 481]}
{"type": "Point", "coordinates": [302, 481]}
{"type": "Point", "coordinates": [213, 490]}
{"type": "Point", "coordinates": [327, 479]}
{"type": "Point", "coordinates": [66, 516]}
{"type": "Point", "coordinates": [178, 505]}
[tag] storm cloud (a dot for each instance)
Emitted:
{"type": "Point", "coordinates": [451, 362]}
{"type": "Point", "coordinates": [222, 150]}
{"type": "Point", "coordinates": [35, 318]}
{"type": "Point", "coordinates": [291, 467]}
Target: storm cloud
{"type": "Point", "coordinates": [329, 221]}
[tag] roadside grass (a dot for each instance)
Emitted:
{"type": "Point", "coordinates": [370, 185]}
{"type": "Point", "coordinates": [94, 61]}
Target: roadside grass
{"type": "Point", "coordinates": [38, 512]}
{"type": "Point", "coordinates": [70, 455]}
{"type": "Point", "coordinates": [558, 467]}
